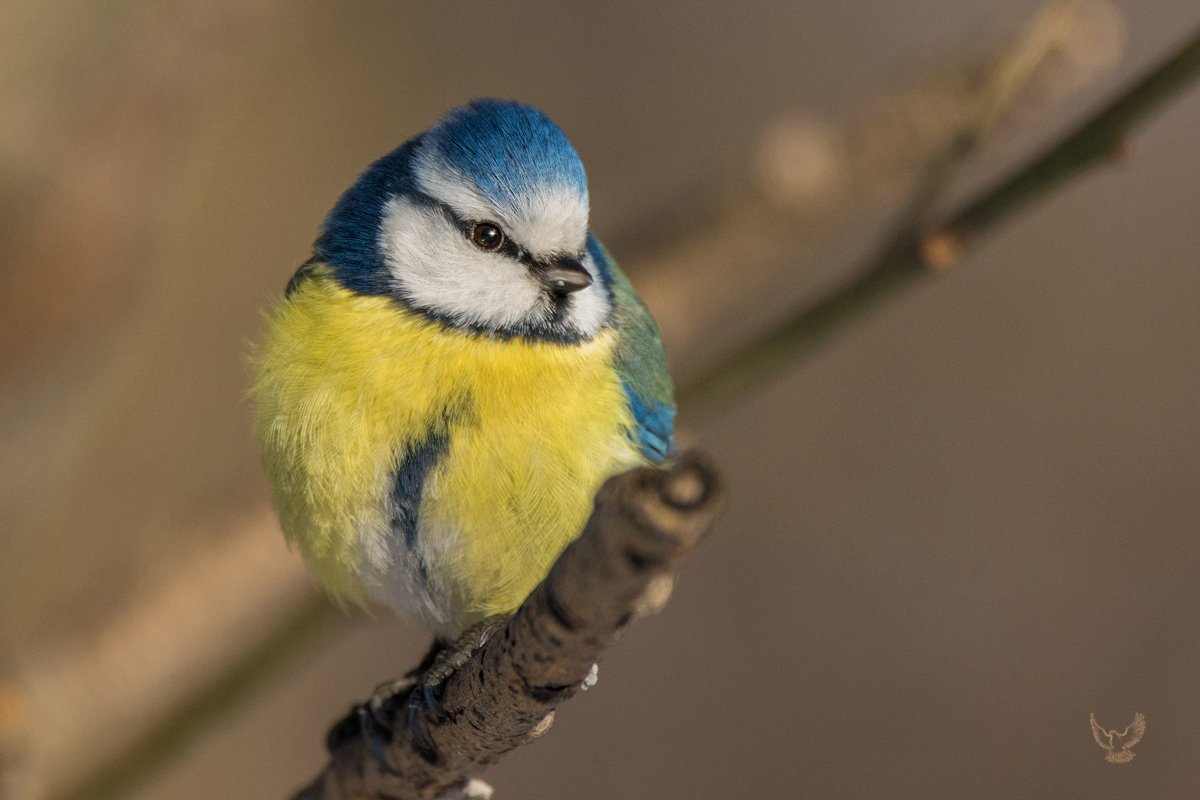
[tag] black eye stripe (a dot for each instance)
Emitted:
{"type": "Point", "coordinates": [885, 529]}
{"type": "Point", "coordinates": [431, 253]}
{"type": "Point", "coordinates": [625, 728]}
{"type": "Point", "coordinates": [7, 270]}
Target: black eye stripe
{"type": "Point", "coordinates": [510, 247]}
{"type": "Point", "coordinates": [464, 225]}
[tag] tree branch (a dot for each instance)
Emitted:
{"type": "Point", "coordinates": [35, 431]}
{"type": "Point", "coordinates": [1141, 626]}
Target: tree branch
{"type": "Point", "coordinates": [645, 521]}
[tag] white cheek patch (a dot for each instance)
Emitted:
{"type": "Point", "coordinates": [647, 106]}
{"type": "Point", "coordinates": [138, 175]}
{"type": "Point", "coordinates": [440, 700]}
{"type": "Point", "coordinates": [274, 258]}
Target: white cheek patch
{"type": "Point", "coordinates": [588, 309]}
{"type": "Point", "coordinates": [439, 270]}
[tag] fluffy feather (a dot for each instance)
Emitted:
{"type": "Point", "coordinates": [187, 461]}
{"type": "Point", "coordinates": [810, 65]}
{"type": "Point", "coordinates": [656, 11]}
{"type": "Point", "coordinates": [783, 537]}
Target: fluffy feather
{"type": "Point", "coordinates": [436, 419]}
{"type": "Point", "coordinates": [347, 382]}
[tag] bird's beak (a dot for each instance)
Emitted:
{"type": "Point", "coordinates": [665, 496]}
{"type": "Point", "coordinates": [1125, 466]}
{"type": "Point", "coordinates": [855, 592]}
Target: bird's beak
{"type": "Point", "coordinates": [565, 275]}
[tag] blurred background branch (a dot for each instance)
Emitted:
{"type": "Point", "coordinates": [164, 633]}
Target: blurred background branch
{"type": "Point", "coordinates": [919, 246]}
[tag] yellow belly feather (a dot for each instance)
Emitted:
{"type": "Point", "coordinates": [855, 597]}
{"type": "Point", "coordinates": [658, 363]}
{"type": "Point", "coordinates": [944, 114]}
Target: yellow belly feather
{"type": "Point", "coordinates": [346, 381]}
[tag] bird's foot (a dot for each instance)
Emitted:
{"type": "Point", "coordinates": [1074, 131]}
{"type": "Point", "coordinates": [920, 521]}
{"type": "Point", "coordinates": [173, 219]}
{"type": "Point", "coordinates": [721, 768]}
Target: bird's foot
{"type": "Point", "coordinates": [376, 714]}
{"type": "Point", "coordinates": [424, 701]}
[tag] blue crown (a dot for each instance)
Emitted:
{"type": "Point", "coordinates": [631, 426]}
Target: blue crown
{"type": "Point", "coordinates": [508, 150]}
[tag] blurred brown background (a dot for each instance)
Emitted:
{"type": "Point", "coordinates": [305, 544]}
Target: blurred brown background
{"type": "Point", "coordinates": [964, 526]}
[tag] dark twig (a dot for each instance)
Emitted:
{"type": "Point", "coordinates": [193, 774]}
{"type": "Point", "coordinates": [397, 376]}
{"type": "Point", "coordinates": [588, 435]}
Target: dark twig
{"type": "Point", "coordinates": [645, 521]}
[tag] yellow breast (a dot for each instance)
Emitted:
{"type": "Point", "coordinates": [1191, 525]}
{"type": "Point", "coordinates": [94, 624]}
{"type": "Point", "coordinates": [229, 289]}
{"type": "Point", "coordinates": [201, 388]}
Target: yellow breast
{"type": "Point", "coordinates": [347, 382]}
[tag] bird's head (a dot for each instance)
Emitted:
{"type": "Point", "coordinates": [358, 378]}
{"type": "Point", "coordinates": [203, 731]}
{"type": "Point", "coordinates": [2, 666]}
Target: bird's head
{"type": "Point", "coordinates": [481, 222]}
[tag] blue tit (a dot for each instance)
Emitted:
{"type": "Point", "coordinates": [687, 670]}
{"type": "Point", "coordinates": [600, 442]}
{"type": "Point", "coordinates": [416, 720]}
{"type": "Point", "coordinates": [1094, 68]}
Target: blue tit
{"type": "Point", "coordinates": [450, 378]}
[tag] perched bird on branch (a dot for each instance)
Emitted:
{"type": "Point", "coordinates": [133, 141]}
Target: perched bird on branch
{"type": "Point", "coordinates": [455, 372]}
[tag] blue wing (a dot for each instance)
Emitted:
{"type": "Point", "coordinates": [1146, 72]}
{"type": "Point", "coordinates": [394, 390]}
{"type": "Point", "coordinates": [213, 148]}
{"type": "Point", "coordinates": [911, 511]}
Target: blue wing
{"type": "Point", "coordinates": [640, 361]}
{"type": "Point", "coordinates": [655, 426]}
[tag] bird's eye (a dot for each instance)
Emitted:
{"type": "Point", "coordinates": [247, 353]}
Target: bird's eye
{"type": "Point", "coordinates": [488, 236]}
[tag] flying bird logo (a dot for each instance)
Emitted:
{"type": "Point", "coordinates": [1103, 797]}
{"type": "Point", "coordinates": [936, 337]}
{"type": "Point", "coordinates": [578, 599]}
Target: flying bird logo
{"type": "Point", "coordinates": [1118, 744]}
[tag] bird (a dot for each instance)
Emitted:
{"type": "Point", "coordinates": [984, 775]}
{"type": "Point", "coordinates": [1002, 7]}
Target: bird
{"type": "Point", "coordinates": [1110, 740]}
{"type": "Point", "coordinates": [449, 379]}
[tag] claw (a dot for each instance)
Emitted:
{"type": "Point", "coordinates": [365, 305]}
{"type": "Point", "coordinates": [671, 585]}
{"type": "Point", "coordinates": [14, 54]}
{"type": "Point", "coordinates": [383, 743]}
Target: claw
{"type": "Point", "coordinates": [421, 691]}
{"type": "Point", "coordinates": [378, 735]}
{"type": "Point", "coordinates": [375, 718]}
{"type": "Point", "coordinates": [422, 702]}
{"type": "Point", "coordinates": [429, 693]}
